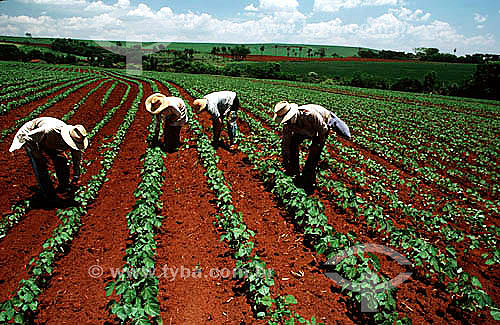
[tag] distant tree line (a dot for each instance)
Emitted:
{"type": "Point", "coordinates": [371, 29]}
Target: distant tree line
{"type": "Point", "coordinates": [72, 52]}
{"type": "Point", "coordinates": [428, 54]}
{"type": "Point", "coordinates": [242, 51]}
{"type": "Point", "coordinates": [10, 52]}
{"type": "Point", "coordinates": [239, 52]}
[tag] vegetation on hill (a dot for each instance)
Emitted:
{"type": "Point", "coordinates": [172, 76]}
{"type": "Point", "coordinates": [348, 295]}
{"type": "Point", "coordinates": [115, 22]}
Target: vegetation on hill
{"type": "Point", "coordinates": [414, 72]}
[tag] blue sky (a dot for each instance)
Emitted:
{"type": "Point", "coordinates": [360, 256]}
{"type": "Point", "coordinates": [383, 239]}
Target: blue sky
{"type": "Point", "coordinates": [470, 26]}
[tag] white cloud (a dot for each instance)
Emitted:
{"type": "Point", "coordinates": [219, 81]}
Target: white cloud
{"type": "Point", "coordinates": [251, 7]}
{"type": "Point", "coordinates": [98, 6]}
{"type": "Point", "coordinates": [336, 5]}
{"type": "Point", "coordinates": [480, 26]}
{"type": "Point", "coordinates": [286, 5]}
{"type": "Point", "coordinates": [142, 10]}
{"type": "Point", "coordinates": [398, 29]}
{"type": "Point", "coordinates": [56, 2]}
{"type": "Point", "coordinates": [479, 19]}
{"type": "Point", "coordinates": [409, 15]}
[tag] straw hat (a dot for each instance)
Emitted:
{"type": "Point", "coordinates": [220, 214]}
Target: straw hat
{"type": "Point", "coordinates": [284, 111]}
{"type": "Point", "coordinates": [200, 104]}
{"type": "Point", "coordinates": [75, 136]}
{"type": "Point", "coordinates": [156, 98]}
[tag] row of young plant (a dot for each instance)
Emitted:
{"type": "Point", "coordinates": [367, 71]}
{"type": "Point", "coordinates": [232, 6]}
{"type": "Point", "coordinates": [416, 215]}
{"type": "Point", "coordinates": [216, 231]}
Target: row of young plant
{"type": "Point", "coordinates": [256, 98]}
{"type": "Point", "coordinates": [460, 282]}
{"type": "Point", "coordinates": [252, 269]}
{"type": "Point", "coordinates": [19, 209]}
{"type": "Point", "coordinates": [487, 235]}
{"type": "Point", "coordinates": [29, 88]}
{"type": "Point", "coordinates": [7, 107]}
{"type": "Point", "coordinates": [260, 146]}
{"type": "Point", "coordinates": [22, 307]}
{"type": "Point", "coordinates": [374, 119]}
{"type": "Point", "coordinates": [136, 286]}
{"type": "Point", "coordinates": [76, 106]}
{"type": "Point", "coordinates": [40, 109]}
{"type": "Point", "coordinates": [105, 98]}
{"type": "Point", "coordinates": [16, 73]}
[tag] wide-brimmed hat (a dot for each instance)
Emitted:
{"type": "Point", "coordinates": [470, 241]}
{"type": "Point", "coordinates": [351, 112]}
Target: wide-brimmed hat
{"type": "Point", "coordinates": [200, 104]}
{"type": "Point", "coordinates": [284, 111]}
{"type": "Point", "coordinates": [155, 98]}
{"type": "Point", "coordinates": [75, 136]}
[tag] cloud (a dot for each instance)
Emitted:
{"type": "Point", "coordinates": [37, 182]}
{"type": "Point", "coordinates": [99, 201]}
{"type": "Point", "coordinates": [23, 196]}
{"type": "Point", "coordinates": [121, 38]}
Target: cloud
{"type": "Point", "coordinates": [278, 5]}
{"type": "Point", "coordinates": [409, 15]}
{"type": "Point", "coordinates": [56, 2]}
{"type": "Point", "coordinates": [336, 5]}
{"type": "Point", "coordinates": [102, 7]}
{"type": "Point", "coordinates": [398, 29]}
{"type": "Point", "coordinates": [142, 10]}
{"type": "Point", "coordinates": [251, 7]}
{"type": "Point", "coordinates": [479, 19]}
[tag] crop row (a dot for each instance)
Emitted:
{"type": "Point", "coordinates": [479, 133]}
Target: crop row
{"type": "Point", "coordinates": [138, 303]}
{"type": "Point", "coordinates": [40, 109]}
{"type": "Point", "coordinates": [22, 207]}
{"type": "Point", "coordinates": [378, 189]}
{"type": "Point", "coordinates": [21, 307]}
{"type": "Point", "coordinates": [380, 172]}
{"type": "Point", "coordinates": [308, 213]}
{"type": "Point", "coordinates": [467, 286]}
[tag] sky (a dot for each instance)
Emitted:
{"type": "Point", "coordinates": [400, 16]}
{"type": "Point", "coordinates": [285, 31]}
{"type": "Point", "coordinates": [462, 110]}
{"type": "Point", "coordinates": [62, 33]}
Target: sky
{"type": "Point", "coordinates": [470, 26]}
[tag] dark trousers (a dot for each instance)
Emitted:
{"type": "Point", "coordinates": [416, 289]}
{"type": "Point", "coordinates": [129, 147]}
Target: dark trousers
{"type": "Point", "coordinates": [39, 164]}
{"type": "Point", "coordinates": [291, 161]}
{"type": "Point", "coordinates": [171, 137]}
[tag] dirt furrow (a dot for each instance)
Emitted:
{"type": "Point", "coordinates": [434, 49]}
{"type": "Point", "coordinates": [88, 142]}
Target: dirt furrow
{"type": "Point", "coordinates": [280, 245]}
{"type": "Point", "coordinates": [24, 241]}
{"type": "Point", "coordinates": [73, 293]}
{"type": "Point", "coordinates": [189, 244]}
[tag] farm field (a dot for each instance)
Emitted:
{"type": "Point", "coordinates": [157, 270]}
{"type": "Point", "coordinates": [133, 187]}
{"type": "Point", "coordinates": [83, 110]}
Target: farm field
{"type": "Point", "coordinates": [154, 237]}
{"type": "Point", "coordinates": [447, 72]}
{"type": "Point", "coordinates": [273, 49]}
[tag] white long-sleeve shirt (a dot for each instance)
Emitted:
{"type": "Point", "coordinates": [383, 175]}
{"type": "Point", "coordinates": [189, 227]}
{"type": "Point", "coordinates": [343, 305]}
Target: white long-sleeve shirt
{"type": "Point", "coordinates": [219, 103]}
{"type": "Point", "coordinates": [312, 120]}
{"type": "Point", "coordinates": [44, 133]}
{"type": "Point", "coordinates": [175, 113]}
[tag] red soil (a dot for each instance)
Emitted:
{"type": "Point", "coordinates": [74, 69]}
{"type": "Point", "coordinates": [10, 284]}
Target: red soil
{"type": "Point", "coordinates": [36, 227]}
{"type": "Point", "coordinates": [272, 58]}
{"type": "Point", "coordinates": [188, 237]}
{"type": "Point", "coordinates": [420, 298]}
{"type": "Point", "coordinates": [188, 227]}
{"type": "Point", "coordinates": [73, 293]}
